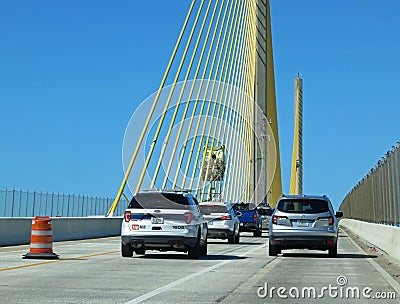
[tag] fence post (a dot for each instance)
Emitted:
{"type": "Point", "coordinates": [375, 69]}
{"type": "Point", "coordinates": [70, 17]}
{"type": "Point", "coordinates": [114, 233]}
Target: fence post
{"type": "Point", "coordinates": [27, 202]}
{"type": "Point", "coordinates": [62, 204]}
{"type": "Point", "coordinates": [33, 205]}
{"type": "Point", "coordinates": [52, 204]}
{"type": "Point", "coordinates": [5, 202]}
{"type": "Point", "coordinates": [20, 201]}
{"type": "Point", "coordinates": [69, 197]}
{"type": "Point", "coordinates": [83, 202]}
{"type": "Point", "coordinates": [12, 203]}
{"type": "Point", "coordinates": [397, 181]}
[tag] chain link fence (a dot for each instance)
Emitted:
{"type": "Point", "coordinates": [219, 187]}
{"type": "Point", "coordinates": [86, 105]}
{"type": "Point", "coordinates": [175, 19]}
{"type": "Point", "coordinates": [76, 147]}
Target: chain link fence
{"type": "Point", "coordinates": [18, 203]}
{"type": "Point", "coordinates": [376, 198]}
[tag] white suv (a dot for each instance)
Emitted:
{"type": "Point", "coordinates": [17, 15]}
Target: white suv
{"type": "Point", "coordinates": [163, 220]}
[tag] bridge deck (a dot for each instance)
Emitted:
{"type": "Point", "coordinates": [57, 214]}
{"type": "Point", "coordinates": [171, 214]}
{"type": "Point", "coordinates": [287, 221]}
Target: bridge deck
{"type": "Point", "coordinates": [93, 271]}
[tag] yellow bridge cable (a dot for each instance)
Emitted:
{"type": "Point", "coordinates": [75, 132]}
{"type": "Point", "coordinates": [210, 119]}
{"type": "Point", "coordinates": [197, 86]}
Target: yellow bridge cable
{"type": "Point", "coordinates": [208, 108]}
{"type": "Point", "coordinates": [205, 94]}
{"type": "Point", "coordinates": [243, 114]}
{"type": "Point", "coordinates": [183, 90]}
{"type": "Point", "coordinates": [231, 115]}
{"type": "Point", "coordinates": [198, 96]}
{"type": "Point", "coordinates": [190, 96]}
{"type": "Point", "coordinates": [251, 92]}
{"type": "Point", "coordinates": [231, 58]}
{"type": "Point", "coordinates": [234, 43]}
{"type": "Point", "coordinates": [146, 164]}
{"type": "Point", "coordinates": [128, 171]}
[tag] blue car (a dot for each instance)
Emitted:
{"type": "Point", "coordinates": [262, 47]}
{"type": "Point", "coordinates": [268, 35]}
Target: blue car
{"type": "Point", "coordinates": [249, 218]}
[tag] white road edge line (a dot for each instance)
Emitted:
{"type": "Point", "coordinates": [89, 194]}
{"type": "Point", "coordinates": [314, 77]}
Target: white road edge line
{"type": "Point", "coordinates": [392, 282]}
{"type": "Point", "coordinates": [167, 287]}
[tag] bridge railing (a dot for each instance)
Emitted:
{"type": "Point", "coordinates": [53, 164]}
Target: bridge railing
{"type": "Point", "coordinates": [18, 203]}
{"type": "Point", "coordinates": [376, 198]}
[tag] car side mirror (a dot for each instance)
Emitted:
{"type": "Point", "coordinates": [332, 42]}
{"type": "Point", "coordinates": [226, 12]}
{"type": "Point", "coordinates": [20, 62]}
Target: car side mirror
{"type": "Point", "coordinates": [339, 214]}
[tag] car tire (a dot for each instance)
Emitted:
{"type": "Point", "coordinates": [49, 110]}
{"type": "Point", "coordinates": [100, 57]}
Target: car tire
{"type": "Point", "coordinates": [257, 233]}
{"type": "Point", "coordinates": [273, 250]}
{"type": "Point", "coordinates": [126, 250]}
{"type": "Point", "coordinates": [237, 237]}
{"type": "Point", "coordinates": [332, 252]}
{"type": "Point", "coordinates": [204, 248]}
{"type": "Point", "coordinates": [195, 252]}
{"type": "Point", "coordinates": [140, 251]}
{"type": "Point", "coordinates": [231, 238]}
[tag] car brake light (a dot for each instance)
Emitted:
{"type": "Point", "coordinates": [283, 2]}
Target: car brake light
{"type": "Point", "coordinates": [276, 217]}
{"type": "Point", "coordinates": [127, 216]}
{"type": "Point", "coordinates": [255, 217]}
{"type": "Point", "coordinates": [188, 217]}
{"type": "Point", "coordinates": [225, 217]}
{"type": "Point", "coordinates": [330, 219]}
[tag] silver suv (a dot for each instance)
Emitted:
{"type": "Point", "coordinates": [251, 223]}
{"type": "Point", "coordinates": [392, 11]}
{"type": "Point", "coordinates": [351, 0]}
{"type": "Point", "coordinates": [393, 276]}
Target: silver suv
{"type": "Point", "coordinates": [163, 220]}
{"type": "Point", "coordinates": [303, 222]}
{"type": "Point", "coordinates": [222, 221]}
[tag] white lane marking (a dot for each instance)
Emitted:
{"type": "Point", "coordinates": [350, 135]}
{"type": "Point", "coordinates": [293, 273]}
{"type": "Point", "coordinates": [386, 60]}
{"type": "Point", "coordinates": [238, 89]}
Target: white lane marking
{"type": "Point", "coordinates": [167, 287]}
{"type": "Point", "coordinates": [252, 282]}
{"type": "Point", "coordinates": [392, 282]}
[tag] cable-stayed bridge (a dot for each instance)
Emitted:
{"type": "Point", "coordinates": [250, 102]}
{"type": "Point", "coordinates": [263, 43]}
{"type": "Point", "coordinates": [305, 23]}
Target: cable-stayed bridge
{"type": "Point", "coordinates": [211, 127]}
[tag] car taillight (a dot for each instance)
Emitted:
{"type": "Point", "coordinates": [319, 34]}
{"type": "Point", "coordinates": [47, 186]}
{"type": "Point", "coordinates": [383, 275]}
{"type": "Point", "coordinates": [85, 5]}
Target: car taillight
{"type": "Point", "coordinates": [330, 219]}
{"type": "Point", "coordinates": [225, 217]}
{"type": "Point", "coordinates": [127, 216]}
{"type": "Point", "coordinates": [188, 217]}
{"type": "Point", "coordinates": [276, 217]}
{"type": "Point", "coordinates": [255, 217]}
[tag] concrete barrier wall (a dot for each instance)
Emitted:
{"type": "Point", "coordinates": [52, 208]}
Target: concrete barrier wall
{"type": "Point", "coordinates": [17, 231]}
{"type": "Point", "coordinates": [384, 237]}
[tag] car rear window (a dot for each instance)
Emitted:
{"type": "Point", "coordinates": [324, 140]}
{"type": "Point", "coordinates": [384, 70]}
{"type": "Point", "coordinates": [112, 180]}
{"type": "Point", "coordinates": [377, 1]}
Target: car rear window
{"type": "Point", "coordinates": [206, 209]}
{"type": "Point", "coordinates": [243, 207]}
{"type": "Point", "coordinates": [303, 206]}
{"type": "Point", "coordinates": [264, 211]}
{"type": "Point", "coordinates": [159, 201]}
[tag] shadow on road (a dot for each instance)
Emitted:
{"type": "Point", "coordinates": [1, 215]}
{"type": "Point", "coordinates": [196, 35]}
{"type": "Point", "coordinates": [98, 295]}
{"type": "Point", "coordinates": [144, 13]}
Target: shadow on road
{"type": "Point", "coordinates": [240, 243]}
{"type": "Point", "coordinates": [210, 257]}
{"type": "Point", "coordinates": [220, 257]}
{"type": "Point", "coordinates": [322, 255]}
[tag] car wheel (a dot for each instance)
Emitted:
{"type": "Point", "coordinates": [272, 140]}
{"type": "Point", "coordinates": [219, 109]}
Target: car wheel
{"type": "Point", "coordinates": [231, 238]}
{"type": "Point", "coordinates": [257, 233]}
{"type": "Point", "coordinates": [332, 252]}
{"type": "Point", "coordinates": [204, 248]}
{"type": "Point", "coordinates": [140, 251]}
{"type": "Point", "coordinates": [195, 252]}
{"type": "Point", "coordinates": [237, 237]}
{"type": "Point", "coordinates": [126, 250]}
{"type": "Point", "coordinates": [273, 250]}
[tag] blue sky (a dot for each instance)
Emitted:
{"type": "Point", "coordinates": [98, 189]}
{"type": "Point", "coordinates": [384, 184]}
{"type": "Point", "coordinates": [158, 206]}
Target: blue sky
{"type": "Point", "coordinates": [72, 73]}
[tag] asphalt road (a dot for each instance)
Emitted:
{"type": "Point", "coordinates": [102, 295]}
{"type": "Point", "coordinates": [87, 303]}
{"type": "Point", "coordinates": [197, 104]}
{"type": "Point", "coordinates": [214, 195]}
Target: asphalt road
{"type": "Point", "coordinates": [93, 271]}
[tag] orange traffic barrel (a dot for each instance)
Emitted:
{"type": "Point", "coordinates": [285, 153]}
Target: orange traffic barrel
{"type": "Point", "coordinates": [41, 239]}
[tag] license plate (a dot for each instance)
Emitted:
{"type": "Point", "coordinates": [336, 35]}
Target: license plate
{"type": "Point", "coordinates": [302, 223]}
{"type": "Point", "coordinates": [157, 220]}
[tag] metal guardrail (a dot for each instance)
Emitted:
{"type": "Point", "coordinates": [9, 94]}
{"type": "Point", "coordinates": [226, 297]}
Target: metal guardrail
{"type": "Point", "coordinates": [18, 203]}
{"type": "Point", "coordinates": [376, 198]}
